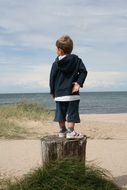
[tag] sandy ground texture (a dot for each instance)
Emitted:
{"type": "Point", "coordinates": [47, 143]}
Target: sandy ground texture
{"type": "Point", "coordinates": [106, 146]}
{"type": "Point", "coordinates": [95, 126]}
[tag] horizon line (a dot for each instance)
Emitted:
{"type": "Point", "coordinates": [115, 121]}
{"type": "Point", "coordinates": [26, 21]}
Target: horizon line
{"type": "Point", "coordinates": [49, 92]}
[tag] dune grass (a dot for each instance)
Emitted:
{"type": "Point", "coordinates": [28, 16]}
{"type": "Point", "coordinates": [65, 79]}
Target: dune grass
{"type": "Point", "coordinates": [10, 130]}
{"type": "Point", "coordinates": [27, 110]}
{"type": "Point", "coordinates": [21, 111]}
{"type": "Point", "coordinates": [67, 174]}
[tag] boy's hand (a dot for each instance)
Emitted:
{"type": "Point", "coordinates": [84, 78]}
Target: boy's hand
{"type": "Point", "coordinates": [76, 87]}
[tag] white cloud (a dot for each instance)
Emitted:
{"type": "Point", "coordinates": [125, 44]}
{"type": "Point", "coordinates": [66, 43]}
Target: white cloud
{"type": "Point", "coordinates": [88, 20]}
{"type": "Point", "coordinates": [36, 41]}
{"type": "Point", "coordinates": [37, 76]}
{"type": "Point", "coordinates": [98, 28]}
{"type": "Point", "coordinates": [37, 79]}
{"type": "Point", "coordinates": [106, 80]}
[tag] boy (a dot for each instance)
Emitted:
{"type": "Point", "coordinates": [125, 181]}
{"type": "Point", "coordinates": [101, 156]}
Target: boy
{"type": "Point", "coordinates": [67, 75]}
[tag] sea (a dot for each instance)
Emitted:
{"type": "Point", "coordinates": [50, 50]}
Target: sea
{"type": "Point", "coordinates": [90, 102]}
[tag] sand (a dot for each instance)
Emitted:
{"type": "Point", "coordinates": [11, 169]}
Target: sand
{"type": "Point", "coordinates": [104, 126]}
{"type": "Point", "coordinates": [95, 126]}
{"type": "Point", "coordinates": [107, 142]}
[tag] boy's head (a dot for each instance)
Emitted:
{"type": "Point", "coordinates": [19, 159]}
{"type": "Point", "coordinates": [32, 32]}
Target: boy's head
{"type": "Point", "coordinates": [64, 45]}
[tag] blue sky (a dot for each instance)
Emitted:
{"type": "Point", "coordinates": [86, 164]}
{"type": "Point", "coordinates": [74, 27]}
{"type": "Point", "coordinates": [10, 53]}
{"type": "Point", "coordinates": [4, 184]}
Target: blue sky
{"type": "Point", "coordinates": [29, 29]}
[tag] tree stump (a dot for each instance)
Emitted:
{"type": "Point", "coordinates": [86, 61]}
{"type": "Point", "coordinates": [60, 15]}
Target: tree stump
{"type": "Point", "coordinates": [55, 148]}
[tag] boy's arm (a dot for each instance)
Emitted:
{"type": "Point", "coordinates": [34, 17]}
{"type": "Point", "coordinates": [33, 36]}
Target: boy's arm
{"type": "Point", "coordinates": [82, 73]}
{"type": "Point", "coordinates": [53, 74]}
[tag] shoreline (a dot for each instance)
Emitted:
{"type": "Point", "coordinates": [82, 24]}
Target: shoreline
{"type": "Point", "coordinates": [103, 114]}
{"type": "Point", "coordinates": [109, 102]}
{"type": "Point", "coordinates": [121, 113]}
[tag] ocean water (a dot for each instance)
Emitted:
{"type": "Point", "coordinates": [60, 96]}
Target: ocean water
{"type": "Point", "coordinates": [90, 102]}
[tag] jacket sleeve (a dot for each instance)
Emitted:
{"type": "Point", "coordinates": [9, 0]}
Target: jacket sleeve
{"type": "Point", "coordinates": [52, 79]}
{"type": "Point", "coordinates": [82, 73]}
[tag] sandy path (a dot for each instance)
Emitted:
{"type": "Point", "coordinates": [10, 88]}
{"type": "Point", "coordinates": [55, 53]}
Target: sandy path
{"type": "Point", "coordinates": [111, 155]}
{"type": "Point", "coordinates": [17, 157]}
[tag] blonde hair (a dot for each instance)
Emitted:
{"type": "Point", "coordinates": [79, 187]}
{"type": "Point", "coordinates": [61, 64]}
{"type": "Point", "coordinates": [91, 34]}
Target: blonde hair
{"type": "Point", "coordinates": [65, 43]}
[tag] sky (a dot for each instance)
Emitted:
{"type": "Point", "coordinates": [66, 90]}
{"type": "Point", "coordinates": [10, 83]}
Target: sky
{"type": "Point", "coordinates": [29, 30]}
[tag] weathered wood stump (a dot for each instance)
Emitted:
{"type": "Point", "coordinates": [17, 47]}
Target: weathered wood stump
{"type": "Point", "coordinates": [55, 148]}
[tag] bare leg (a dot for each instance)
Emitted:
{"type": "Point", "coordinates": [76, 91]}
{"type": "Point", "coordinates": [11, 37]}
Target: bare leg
{"type": "Point", "coordinates": [62, 124]}
{"type": "Point", "coordinates": [63, 130]}
{"type": "Point", "coordinates": [71, 126]}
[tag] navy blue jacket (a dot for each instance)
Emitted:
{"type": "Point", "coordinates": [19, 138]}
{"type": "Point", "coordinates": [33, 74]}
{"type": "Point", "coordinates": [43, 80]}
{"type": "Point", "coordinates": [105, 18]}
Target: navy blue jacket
{"type": "Point", "coordinates": [64, 72]}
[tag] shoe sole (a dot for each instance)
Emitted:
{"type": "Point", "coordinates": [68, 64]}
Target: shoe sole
{"type": "Point", "coordinates": [74, 138]}
{"type": "Point", "coordinates": [62, 136]}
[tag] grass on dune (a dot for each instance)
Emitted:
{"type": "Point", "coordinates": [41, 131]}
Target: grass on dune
{"type": "Point", "coordinates": [32, 111]}
{"type": "Point", "coordinates": [67, 174]}
{"type": "Point", "coordinates": [19, 112]}
{"type": "Point", "coordinates": [10, 130]}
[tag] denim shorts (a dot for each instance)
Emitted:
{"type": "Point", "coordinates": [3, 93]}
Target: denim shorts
{"type": "Point", "coordinates": [67, 111]}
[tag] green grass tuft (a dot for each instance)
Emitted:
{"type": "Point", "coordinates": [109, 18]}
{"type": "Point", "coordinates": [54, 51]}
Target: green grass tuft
{"type": "Point", "coordinates": [67, 174]}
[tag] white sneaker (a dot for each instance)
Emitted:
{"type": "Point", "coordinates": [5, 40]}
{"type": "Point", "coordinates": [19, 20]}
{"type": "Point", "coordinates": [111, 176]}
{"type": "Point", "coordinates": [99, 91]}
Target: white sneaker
{"type": "Point", "coordinates": [74, 135]}
{"type": "Point", "coordinates": [62, 134]}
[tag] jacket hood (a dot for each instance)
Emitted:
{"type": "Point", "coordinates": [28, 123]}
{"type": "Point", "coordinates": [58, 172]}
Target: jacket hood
{"type": "Point", "coordinates": [67, 64]}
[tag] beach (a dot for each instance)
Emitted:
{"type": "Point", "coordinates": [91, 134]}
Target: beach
{"type": "Point", "coordinates": [94, 126]}
{"type": "Point", "coordinates": [104, 126]}
{"type": "Point", "coordinates": [106, 146]}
